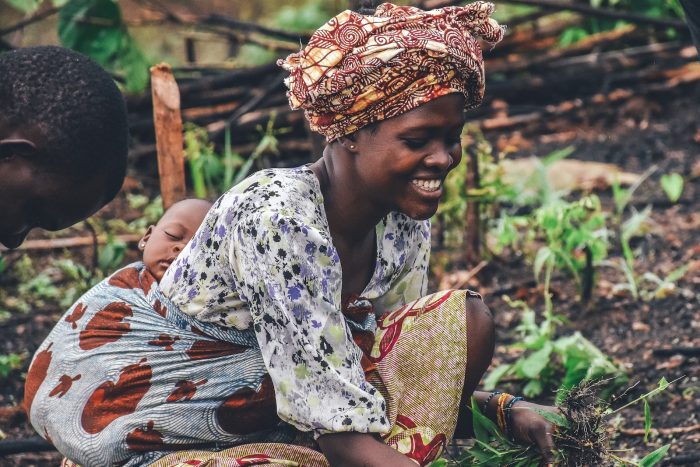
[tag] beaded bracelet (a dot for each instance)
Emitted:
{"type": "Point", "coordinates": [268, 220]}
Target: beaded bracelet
{"type": "Point", "coordinates": [503, 399]}
{"type": "Point", "coordinates": [488, 399]}
{"type": "Point", "coordinates": [509, 417]}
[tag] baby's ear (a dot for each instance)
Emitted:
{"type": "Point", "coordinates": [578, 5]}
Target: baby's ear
{"type": "Point", "coordinates": [16, 147]}
{"type": "Point", "coordinates": [146, 236]}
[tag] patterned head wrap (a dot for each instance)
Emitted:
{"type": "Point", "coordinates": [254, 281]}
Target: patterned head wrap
{"type": "Point", "coordinates": [360, 69]}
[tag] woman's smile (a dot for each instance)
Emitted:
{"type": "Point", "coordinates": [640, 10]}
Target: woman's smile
{"type": "Point", "coordinates": [432, 186]}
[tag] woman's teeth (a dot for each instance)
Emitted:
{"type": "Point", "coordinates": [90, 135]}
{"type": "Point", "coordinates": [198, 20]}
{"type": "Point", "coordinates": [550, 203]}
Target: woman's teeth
{"type": "Point", "coordinates": [428, 185]}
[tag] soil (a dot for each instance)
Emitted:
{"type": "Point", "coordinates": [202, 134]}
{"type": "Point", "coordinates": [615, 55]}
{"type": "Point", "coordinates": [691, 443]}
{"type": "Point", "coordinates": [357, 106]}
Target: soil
{"type": "Point", "coordinates": [652, 129]}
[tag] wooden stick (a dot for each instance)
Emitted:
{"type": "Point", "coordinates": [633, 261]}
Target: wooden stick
{"type": "Point", "coordinates": [169, 140]}
{"type": "Point", "coordinates": [70, 242]}
{"type": "Point", "coordinates": [32, 19]}
{"type": "Point", "coordinates": [17, 446]}
{"type": "Point", "coordinates": [472, 236]}
{"type": "Point", "coordinates": [662, 431]}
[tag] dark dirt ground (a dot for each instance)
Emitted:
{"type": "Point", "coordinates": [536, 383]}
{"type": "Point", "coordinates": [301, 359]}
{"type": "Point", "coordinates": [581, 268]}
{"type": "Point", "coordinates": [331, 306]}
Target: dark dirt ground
{"type": "Point", "coordinates": [661, 129]}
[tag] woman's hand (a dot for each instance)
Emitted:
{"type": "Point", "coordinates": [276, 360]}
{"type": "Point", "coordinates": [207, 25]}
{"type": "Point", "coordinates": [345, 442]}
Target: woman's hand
{"type": "Point", "coordinates": [352, 449]}
{"type": "Point", "coordinates": [529, 427]}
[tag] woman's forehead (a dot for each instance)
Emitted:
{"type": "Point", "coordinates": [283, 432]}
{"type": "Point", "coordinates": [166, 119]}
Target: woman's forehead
{"type": "Point", "coordinates": [446, 111]}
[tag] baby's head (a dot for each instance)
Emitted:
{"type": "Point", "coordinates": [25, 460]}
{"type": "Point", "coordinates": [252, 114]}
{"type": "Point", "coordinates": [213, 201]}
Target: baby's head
{"type": "Point", "coordinates": [63, 140]}
{"type": "Point", "coordinates": [164, 241]}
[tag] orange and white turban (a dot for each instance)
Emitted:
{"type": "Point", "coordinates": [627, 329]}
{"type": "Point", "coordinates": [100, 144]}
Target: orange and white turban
{"type": "Point", "coordinates": [360, 69]}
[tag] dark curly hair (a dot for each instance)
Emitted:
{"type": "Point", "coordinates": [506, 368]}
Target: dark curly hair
{"type": "Point", "coordinates": [76, 107]}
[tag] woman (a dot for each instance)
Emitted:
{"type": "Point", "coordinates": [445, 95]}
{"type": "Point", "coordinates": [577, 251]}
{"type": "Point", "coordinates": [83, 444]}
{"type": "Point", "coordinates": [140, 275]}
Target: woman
{"type": "Point", "coordinates": [302, 296]}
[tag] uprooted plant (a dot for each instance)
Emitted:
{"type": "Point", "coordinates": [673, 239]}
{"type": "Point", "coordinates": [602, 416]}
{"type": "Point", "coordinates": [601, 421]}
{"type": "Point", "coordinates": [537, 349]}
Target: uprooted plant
{"type": "Point", "coordinates": [582, 436]}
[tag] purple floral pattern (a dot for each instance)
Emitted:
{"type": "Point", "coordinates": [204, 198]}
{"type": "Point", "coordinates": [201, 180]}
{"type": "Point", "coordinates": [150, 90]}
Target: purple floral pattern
{"type": "Point", "coordinates": [264, 259]}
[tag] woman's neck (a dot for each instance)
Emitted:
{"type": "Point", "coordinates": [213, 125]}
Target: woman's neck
{"type": "Point", "coordinates": [349, 212]}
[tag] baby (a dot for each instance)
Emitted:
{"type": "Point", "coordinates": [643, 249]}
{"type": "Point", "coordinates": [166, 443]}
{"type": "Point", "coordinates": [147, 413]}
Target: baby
{"type": "Point", "coordinates": [164, 241]}
{"type": "Point", "coordinates": [119, 327]}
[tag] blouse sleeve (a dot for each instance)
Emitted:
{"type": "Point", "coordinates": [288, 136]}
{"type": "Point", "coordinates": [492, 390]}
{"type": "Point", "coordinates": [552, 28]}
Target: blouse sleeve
{"type": "Point", "coordinates": [290, 276]}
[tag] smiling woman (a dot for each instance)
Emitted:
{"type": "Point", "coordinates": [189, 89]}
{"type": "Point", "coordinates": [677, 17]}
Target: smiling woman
{"type": "Point", "coordinates": [302, 297]}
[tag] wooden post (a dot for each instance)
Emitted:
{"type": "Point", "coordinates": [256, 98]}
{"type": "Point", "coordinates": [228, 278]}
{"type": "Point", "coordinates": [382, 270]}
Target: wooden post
{"type": "Point", "coordinates": [472, 236]}
{"type": "Point", "coordinates": [169, 139]}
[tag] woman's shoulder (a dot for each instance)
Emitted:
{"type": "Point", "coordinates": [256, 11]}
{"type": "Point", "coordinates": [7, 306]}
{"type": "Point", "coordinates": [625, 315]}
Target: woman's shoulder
{"type": "Point", "coordinates": [286, 192]}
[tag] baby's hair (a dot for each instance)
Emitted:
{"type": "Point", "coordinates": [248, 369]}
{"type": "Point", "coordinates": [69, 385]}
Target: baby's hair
{"type": "Point", "coordinates": [76, 107]}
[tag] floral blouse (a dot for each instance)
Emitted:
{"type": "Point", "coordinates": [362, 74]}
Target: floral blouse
{"type": "Point", "coordinates": [264, 258]}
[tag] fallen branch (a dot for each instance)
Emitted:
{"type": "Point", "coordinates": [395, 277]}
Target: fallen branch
{"type": "Point", "coordinates": [16, 446]}
{"type": "Point", "coordinates": [662, 431]}
{"type": "Point", "coordinates": [32, 19]}
{"type": "Point", "coordinates": [70, 242]}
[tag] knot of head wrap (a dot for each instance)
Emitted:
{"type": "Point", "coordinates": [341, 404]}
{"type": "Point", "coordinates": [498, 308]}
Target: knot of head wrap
{"type": "Point", "coordinates": [359, 69]}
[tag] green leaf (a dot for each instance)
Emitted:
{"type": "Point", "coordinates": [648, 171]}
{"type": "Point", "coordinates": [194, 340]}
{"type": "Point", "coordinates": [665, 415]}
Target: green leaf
{"type": "Point", "coordinates": [495, 376]}
{"type": "Point", "coordinates": [673, 186]}
{"type": "Point", "coordinates": [534, 363]}
{"type": "Point", "coordinates": [442, 462]}
{"type": "Point", "coordinates": [92, 27]}
{"type": "Point", "coordinates": [544, 254]}
{"type": "Point", "coordinates": [25, 6]}
{"type": "Point", "coordinates": [654, 457]}
{"type": "Point", "coordinates": [484, 428]}
{"type": "Point", "coordinates": [533, 388]}
{"type": "Point", "coordinates": [647, 420]}
{"type": "Point", "coordinates": [552, 417]}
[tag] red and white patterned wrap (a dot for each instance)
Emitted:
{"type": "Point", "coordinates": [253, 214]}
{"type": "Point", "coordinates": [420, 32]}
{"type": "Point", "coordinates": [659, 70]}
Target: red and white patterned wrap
{"type": "Point", "coordinates": [359, 69]}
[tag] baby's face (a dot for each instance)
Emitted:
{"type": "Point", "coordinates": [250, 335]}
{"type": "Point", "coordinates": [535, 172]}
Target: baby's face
{"type": "Point", "coordinates": [164, 241]}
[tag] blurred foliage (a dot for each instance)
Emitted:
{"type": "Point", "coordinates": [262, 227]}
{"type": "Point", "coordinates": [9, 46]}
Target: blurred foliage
{"type": "Point", "coordinates": [96, 29]}
{"type": "Point", "coordinates": [592, 25]}
{"type": "Point", "coordinates": [309, 17]}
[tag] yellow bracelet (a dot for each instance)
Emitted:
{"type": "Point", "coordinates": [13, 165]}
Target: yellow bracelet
{"type": "Point", "coordinates": [500, 411]}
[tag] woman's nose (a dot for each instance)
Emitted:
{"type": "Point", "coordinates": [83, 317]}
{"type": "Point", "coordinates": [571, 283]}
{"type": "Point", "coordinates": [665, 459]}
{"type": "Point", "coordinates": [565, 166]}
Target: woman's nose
{"type": "Point", "coordinates": [440, 158]}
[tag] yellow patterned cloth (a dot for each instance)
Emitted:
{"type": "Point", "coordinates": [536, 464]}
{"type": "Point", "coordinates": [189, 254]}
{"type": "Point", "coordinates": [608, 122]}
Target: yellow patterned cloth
{"type": "Point", "coordinates": [359, 69]}
{"type": "Point", "coordinates": [420, 353]}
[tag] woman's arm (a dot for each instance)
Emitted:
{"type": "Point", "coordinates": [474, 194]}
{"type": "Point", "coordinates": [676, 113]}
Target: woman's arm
{"type": "Point", "coordinates": [360, 449]}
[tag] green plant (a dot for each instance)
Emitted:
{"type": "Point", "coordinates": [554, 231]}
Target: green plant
{"type": "Point", "coordinates": [152, 211]}
{"type": "Point", "coordinates": [96, 28]}
{"type": "Point", "coordinates": [661, 287]}
{"type": "Point", "coordinates": [451, 214]}
{"type": "Point", "coordinates": [111, 255]}
{"type": "Point", "coordinates": [77, 280]}
{"type": "Point", "coordinates": [9, 362]}
{"type": "Point", "coordinates": [567, 360]}
{"type": "Point", "coordinates": [672, 184]}
{"type": "Point", "coordinates": [580, 439]}
{"type": "Point", "coordinates": [575, 239]}
{"type": "Point", "coordinates": [593, 25]}
{"type": "Point", "coordinates": [212, 173]}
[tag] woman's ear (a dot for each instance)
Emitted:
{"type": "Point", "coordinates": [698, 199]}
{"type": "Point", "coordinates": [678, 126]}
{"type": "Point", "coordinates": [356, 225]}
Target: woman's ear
{"type": "Point", "coordinates": [16, 147]}
{"type": "Point", "coordinates": [349, 142]}
{"type": "Point", "coordinates": [144, 239]}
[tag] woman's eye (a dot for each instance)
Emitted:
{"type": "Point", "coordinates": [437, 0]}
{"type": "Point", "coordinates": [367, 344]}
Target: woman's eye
{"type": "Point", "coordinates": [171, 236]}
{"type": "Point", "coordinates": [415, 143]}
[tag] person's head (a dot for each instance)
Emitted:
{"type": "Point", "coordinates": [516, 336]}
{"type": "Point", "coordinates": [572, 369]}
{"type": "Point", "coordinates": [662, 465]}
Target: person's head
{"type": "Point", "coordinates": [391, 89]}
{"type": "Point", "coordinates": [164, 241]}
{"type": "Point", "coordinates": [63, 140]}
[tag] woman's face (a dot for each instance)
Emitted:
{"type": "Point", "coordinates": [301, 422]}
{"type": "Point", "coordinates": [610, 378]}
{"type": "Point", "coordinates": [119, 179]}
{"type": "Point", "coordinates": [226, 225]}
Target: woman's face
{"type": "Point", "coordinates": [402, 162]}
